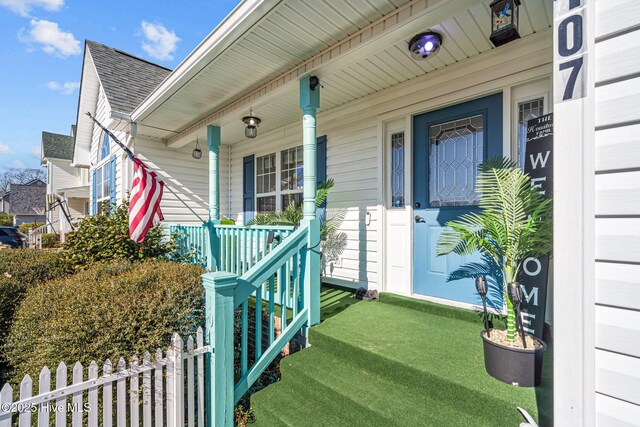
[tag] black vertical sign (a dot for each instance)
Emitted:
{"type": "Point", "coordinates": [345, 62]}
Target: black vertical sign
{"type": "Point", "coordinates": [535, 271]}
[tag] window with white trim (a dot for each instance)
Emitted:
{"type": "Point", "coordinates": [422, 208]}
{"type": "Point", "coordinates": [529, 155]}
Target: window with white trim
{"type": "Point", "coordinates": [266, 183]}
{"type": "Point", "coordinates": [291, 176]}
{"type": "Point", "coordinates": [288, 165]}
{"type": "Point", "coordinates": [103, 176]}
{"type": "Point", "coordinates": [527, 110]}
{"type": "Point", "coordinates": [397, 170]}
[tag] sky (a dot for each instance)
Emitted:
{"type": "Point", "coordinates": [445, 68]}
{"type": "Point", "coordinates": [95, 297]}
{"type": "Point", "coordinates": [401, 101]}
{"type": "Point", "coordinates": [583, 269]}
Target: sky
{"type": "Point", "coordinates": [41, 48]}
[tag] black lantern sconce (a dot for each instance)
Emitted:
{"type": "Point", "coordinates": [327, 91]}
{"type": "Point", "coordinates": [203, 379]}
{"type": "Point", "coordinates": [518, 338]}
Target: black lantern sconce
{"type": "Point", "coordinates": [197, 152]}
{"type": "Point", "coordinates": [504, 21]}
{"type": "Point", "coordinates": [425, 45]}
{"type": "Point", "coordinates": [251, 123]}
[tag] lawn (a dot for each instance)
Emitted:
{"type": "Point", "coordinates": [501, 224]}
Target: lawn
{"type": "Point", "coordinates": [396, 361]}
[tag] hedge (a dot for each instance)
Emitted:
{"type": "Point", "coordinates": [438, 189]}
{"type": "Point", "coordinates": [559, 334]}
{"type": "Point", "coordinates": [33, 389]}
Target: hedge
{"type": "Point", "coordinates": [105, 238]}
{"type": "Point", "coordinates": [105, 311]}
{"type": "Point", "coordinates": [26, 226]}
{"type": "Point", "coordinates": [21, 270]}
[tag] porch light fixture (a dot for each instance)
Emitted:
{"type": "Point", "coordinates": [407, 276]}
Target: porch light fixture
{"type": "Point", "coordinates": [251, 123]}
{"type": "Point", "coordinates": [504, 21]}
{"type": "Point", "coordinates": [197, 152]}
{"type": "Point", "coordinates": [481, 287]}
{"type": "Point", "coordinates": [425, 45]}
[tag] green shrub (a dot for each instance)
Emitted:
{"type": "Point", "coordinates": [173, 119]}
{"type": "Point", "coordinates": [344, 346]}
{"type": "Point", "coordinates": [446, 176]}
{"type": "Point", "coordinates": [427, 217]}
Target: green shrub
{"type": "Point", "coordinates": [105, 311]}
{"type": "Point", "coordinates": [105, 237]}
{"type": "Point", "coordinates": [6, 220]}
{"type": "Point", "coordinates": [49, 240]}
{"type": "Point", "coordinates": [20, 271]}
{"type": "Point", "coordinates": [227, 222]}
{"type": "Point", "coordinates": [26, 226]}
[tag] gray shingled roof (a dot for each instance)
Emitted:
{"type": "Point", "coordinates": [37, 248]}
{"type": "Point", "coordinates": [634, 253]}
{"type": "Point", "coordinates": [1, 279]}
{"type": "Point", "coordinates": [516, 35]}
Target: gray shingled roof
{"type": "Point", "coordinates": [26, 197]}
{"type": "Point", "coordinates": [126, 80]}
{"type": "Point", "coordinates": [56, 146]}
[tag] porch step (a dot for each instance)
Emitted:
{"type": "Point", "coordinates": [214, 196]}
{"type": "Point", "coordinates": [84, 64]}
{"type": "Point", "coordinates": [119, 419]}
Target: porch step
{"type": "Point", "coordinates": [373, 365]}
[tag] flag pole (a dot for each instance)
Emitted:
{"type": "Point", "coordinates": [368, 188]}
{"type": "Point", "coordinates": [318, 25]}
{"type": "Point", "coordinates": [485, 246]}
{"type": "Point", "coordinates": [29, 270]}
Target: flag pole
{"type": "Point", "coordinates": [134, 158]}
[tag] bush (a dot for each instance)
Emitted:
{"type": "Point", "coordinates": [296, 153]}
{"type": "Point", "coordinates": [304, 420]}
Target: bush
{"type": "Point", "coordinates": [105, 237]}
{"type": "Point", "coordinates": [105, 311]}
{"type": "Point", "coordinates": [49, 240]}
{"type": "Point", "coordinates": [6, 220]}
{"type": "Point", "coordinates": [26, 226]}
{"type": "Point", "coordinates": [20, 271]}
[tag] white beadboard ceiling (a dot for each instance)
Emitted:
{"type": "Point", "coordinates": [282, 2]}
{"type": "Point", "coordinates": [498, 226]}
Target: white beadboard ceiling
{"type": "Point", "coordinates": [297, 30]}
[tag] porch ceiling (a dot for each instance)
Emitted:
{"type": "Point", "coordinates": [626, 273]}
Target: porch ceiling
{"type": "Point", "coordinates": [287, 36]}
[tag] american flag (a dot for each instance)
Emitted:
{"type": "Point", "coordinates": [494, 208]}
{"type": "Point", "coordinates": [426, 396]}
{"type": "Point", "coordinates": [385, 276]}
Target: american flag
{"type": "Point", "coordinates": [144, 208]}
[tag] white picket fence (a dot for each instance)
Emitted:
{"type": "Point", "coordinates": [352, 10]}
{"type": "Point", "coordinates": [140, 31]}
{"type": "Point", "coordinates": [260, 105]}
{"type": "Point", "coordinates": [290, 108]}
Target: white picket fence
{"type": "Point", "coordinates": [157, 387]}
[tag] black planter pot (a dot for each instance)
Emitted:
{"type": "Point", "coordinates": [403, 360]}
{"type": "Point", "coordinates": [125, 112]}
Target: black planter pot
{"type": "Point", "coordinates": [517, 366]}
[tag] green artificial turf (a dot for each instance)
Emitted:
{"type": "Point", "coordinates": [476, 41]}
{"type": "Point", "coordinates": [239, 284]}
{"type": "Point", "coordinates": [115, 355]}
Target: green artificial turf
{"type": "Point", "coordinates": [396, 361]}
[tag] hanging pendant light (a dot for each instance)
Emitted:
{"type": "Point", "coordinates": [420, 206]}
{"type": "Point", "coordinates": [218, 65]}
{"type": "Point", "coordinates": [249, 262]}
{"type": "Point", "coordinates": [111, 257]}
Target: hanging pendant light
{"type": "Point", "coordinates": [251, 123]}
{"type": "Point", "coordinates": [197, 152]}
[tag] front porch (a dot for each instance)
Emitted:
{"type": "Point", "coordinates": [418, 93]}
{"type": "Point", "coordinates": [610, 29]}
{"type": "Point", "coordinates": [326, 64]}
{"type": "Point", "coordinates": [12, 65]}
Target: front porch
{"type": "Point", "coordinates": [396, 361]}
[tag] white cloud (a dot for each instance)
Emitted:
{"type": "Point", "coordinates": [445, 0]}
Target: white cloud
{"type": "Point", "coordinates": [24, 7]}
{"type": "Point", "coordinates": [66, 88]}
{"type": "Point", "coordinates": [51, 38]}
{"type": "Point", "coordinates": [4, 149]}
{"type": "Point", "coordinates": [18, 164]}
{"type": "Point", "coordinates": [35, 152]}
{"type": "Point", "coordinates": [160, 43]}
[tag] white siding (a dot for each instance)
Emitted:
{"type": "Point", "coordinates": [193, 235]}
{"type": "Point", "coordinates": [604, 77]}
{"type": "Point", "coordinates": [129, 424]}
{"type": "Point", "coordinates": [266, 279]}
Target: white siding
{"type": "Point", "coordinates": [354, 145]}
{"type": "Point", "coordinates": [61, 175]}
{"type": "Point", "coordinates": [617, 198]}
{"type": "Point", "coordinates": [352, 163]}
{"type": "Point", "coordinates": [184, 175]}
{"type": "Point", "coordinates": [102, 115]}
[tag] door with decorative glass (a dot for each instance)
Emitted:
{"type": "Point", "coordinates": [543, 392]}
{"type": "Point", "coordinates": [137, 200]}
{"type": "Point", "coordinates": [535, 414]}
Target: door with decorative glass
{"type": "Point", "coordinates": [449, 145]}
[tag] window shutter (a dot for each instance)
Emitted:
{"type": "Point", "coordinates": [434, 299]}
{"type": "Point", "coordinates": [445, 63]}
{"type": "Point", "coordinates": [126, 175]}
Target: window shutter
{"type": "Point", "coordinates": [94, 204]}
{"type": "Point", "coordinates": [248, 187]}
{"type": "Point", "coordinates": [321, 171]}
{"type": "Point", "coordinates": [112, 180]}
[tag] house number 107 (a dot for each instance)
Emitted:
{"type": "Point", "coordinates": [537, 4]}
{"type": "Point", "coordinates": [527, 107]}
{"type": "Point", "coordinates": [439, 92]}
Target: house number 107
{"type": "Point", "coordinates": [570, 50]}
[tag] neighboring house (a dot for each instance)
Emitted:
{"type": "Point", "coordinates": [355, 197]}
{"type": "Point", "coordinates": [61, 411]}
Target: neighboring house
{"type": "Point", "coordinates": [402, 139]}
{"type": "Point", "coordinates": [5, 206]}
{"type": "Point", "coordinates": [67, 186]}
{"type": "Point", "coordinates": [27, 202]}
{"type": "Point", "coordinates": [113, 83]}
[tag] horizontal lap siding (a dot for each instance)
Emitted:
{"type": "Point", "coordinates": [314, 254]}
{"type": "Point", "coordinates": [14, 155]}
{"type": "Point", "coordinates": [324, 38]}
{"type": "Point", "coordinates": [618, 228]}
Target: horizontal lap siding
{"type": "Point", "coordinates": [102, 115]}
{"type": "Point", "coordinates": [352, 162]}
{"type": "Point", "coordinates": [617, 196]}
{"type": "Point", "coordinates": [354, 147]}
{"type": "Point", "coordinates": [64, 175]}
{"type": "Point", "coordinates": [183, 174]}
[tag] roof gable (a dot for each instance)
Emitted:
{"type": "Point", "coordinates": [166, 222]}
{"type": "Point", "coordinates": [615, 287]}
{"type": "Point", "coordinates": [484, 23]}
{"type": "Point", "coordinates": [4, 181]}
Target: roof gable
{"type": "Point", "coordinates": [126, 79]}
{"type": "Point", "coordinates": [56, 146]}
{"type": "Point", "coordinates": [27, 199]}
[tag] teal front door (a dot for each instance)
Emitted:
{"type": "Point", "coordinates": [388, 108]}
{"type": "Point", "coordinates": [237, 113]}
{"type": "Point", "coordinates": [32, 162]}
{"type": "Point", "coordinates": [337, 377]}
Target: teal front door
{"type": "Point", "coordinates": [449, 144]}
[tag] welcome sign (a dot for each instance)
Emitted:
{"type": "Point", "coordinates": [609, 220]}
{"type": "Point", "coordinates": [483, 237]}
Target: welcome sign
{"type": "Point", "coordinates": [535, 271]}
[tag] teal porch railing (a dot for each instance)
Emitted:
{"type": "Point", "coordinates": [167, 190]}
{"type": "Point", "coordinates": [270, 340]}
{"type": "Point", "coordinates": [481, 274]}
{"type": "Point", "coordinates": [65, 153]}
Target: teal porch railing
{"type": "Point", "coordinates": [263, 273]}
{"type": "Point", "coordinates": [237, 248]}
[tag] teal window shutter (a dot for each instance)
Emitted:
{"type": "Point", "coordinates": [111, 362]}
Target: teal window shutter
{"type": "Point", "coordinates": [248, 190]}
{"type": "Point", "coordinates": [94, 204]}
{"type": "Point", "coordinates": [112, 180]}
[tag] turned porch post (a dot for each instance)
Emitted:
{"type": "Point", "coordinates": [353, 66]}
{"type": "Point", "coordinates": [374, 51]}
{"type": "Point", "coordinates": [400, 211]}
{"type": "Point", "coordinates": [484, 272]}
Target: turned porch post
{"type": "Point", "coordinates": [213, 141]}
{"type": "Point", "coordinates": [309, 103]}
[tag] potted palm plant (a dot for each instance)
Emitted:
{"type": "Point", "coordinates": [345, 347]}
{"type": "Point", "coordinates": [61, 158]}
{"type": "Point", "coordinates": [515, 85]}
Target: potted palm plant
{"type": "Point", "coordinates": [513, 224]}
